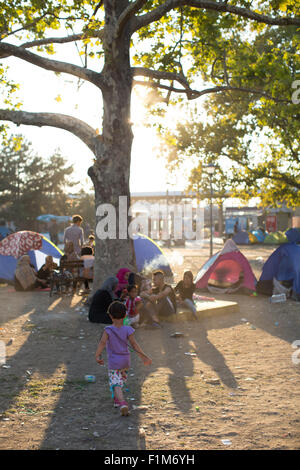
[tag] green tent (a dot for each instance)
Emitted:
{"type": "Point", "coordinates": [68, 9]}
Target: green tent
{"type": "Point", "coordinates": [275, 238]}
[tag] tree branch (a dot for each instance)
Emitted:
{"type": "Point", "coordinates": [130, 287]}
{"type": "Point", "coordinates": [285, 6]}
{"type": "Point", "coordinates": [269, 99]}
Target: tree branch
{"type": "Point", "coordinates": [222, 7]}
{"type": "Point", "coordinates": [193, 94]}
{"type": "Point", "coordinates": [62, 40]}
{"type": "Point", "coordinates": [50, 64]}
{"type": "Point", "coordinates": [128, 13]}
{"type": "Point", "coordinates": [161, 75]}
{"type": "Point", "coordinates": [77, 127]}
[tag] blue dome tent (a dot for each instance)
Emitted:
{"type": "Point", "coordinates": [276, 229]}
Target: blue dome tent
{"type": "Point", "coordinates": [293, 235]}
{"type": "Point", "coordinates": [259, 235]}
{"type": "Point", "coordinates": [283, 265]}
{"type": "Point", "coordinates": [241, 238]}
{"type": "Point", "coordinates": [8, 264]}
{"type": "Point", "coordinates": [149, 256]}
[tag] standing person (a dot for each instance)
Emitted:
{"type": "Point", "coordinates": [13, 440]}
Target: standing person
{"type": "Point", "coordinates": [88, 270]}
{"type": "Point", "coordinates": [186, 289]}
{"type": "Point", "coordinates": [53, 231]}
{"type": "Point", "coordinates": [115, 339]}
{"type": "Point", "coordinates": [236, 227]}
{"type": "Point", "coordinates": [74, 234]}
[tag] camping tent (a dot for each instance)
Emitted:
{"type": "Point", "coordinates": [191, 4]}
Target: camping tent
{"type": "Point", "coordinates": [283, 265]}
{"type": "Point", "coordinates": [293, 235]}
{"type": "Point", "coordinates": [49, 217]}
{"type": "Point", "coordinates": [37, 257]}
{"type": "Point", "coordinates": [241, 238]}
{"type": "Point", "coordinates": [227, 271]}
{"type": "Point", "coordinates": [275, 238]}
{"type": "Point", "coordinates": [259, 234]}
{"type": "Point", "coordinates": [149, 256]}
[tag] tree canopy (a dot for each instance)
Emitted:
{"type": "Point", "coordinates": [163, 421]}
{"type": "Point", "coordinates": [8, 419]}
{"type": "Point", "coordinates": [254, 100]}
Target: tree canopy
{"type": "Point", "coordinates": [172, 48]}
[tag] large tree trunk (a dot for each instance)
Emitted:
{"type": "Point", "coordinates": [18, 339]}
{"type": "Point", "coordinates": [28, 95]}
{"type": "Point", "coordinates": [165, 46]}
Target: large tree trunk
{"type": "Point", "coordinates": [111, 171]}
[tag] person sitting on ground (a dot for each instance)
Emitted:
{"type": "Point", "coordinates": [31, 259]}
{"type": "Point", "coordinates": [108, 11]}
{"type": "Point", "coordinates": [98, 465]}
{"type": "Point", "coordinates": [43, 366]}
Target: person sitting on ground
{"type": "Point", "coordinates": [46, 270]}
{"type": "Point", "coordinates": [186, 288]}
{"type": "Point", "coordinates": [122, 275]}
{"type": "Point", "coordinates": [26, 276]}
{"type": "Point", "coordinates": [101, 300]}
{"type": "Point", "coordinates": [162, 300]}
{"type": "Point", "coordinates": [147, 317]}
{"type": "Point", "coordinates": [133, 303]}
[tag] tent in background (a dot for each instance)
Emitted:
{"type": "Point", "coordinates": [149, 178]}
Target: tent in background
{"type": "Point", "coordinates": [149, 256]}
{"type": "Point", "coordinates": [37, 257]}
{"type": "Point", "coordinates": [293, 235]}
{"type": "Point", "coordinates": [275, 238]}
{"type": "Point", "coordinates": [227, 271]}
{"type": "Point", "coordinates": [259, 234]}
{"type": "Point", "coordinates": [283, 265]}
{"type": "Point", "coordinates": [241, 238]}
{"type": "Point", "coordinates": [49, 217]}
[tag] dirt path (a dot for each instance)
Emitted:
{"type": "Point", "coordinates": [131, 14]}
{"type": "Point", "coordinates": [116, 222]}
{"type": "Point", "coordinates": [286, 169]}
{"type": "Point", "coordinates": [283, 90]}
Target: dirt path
{"type": "Point", "coordinates": [237, 389]}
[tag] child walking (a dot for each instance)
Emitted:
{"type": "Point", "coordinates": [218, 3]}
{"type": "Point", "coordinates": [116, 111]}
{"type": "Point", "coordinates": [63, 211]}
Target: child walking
{"type": "Point", "coordinates": [115, 339]}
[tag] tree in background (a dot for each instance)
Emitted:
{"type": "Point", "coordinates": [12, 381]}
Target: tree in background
{"type": "Point", "coordinates": [83, 203]}
{"type": "Point", "coordinates": [253, 140]}
{"type": "Point", "coordinates": [174, 41]}
{"type": "Point", "coordinates": [31, 185]}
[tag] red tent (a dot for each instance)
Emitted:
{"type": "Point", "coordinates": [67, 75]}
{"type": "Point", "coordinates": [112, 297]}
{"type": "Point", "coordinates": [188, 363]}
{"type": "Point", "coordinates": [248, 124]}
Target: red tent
{"type": "Point", "coordinates": [227, 271]}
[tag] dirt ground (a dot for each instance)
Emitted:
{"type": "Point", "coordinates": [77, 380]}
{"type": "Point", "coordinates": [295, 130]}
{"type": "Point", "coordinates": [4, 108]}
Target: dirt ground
{"type": "Point", "coordinates": [237, 389]}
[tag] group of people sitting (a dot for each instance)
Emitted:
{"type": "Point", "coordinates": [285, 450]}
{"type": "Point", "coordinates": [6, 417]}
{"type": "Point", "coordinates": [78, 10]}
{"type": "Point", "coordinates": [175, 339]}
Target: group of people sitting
{"type": "Point", "coordinates": [27, 278]}
{"type": "Point", "coordinates": [146, 302]}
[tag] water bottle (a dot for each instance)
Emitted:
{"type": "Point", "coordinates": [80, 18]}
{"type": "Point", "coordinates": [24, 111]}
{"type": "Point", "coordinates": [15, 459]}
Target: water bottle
{"type": "Point", "coordinates": [277, 298]}
{"type": "Point", "coordinates": [90, 378]}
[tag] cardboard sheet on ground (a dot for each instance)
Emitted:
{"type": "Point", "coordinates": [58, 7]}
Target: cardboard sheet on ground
{"type": "Point", "coordinates": [205, 309]}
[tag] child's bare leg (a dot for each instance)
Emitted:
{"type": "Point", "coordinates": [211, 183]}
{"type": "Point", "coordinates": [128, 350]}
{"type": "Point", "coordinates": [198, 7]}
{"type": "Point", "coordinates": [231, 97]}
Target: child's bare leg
{"type": "Point", "coordinates": [118, 393]}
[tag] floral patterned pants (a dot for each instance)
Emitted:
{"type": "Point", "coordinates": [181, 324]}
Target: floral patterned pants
{"type": "Point", "coordinates": [117, 378]}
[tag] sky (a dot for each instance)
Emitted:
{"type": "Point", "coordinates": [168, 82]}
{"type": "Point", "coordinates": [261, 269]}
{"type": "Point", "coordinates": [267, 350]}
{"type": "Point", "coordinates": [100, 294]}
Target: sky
{"type": "Point", "coordinates": [42, 90]}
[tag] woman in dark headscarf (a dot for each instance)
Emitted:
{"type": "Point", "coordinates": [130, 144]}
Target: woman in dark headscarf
{"type": "Point", "coordinates": [101, 300]}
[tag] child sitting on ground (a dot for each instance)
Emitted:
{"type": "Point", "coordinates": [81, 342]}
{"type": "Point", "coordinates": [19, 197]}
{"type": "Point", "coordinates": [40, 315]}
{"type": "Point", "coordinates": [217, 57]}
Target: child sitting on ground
{"type": "Point", "coordinates": [115, 339]}
{"type": "Point", "coordinates": [133, 304]}
{"type": "Point", "coordinates": [186, 289]}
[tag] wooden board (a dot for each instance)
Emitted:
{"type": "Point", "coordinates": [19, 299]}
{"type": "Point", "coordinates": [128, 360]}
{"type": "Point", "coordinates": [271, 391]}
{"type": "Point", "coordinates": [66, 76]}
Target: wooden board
{"type": "Point", "coordinates": [204, 309]}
